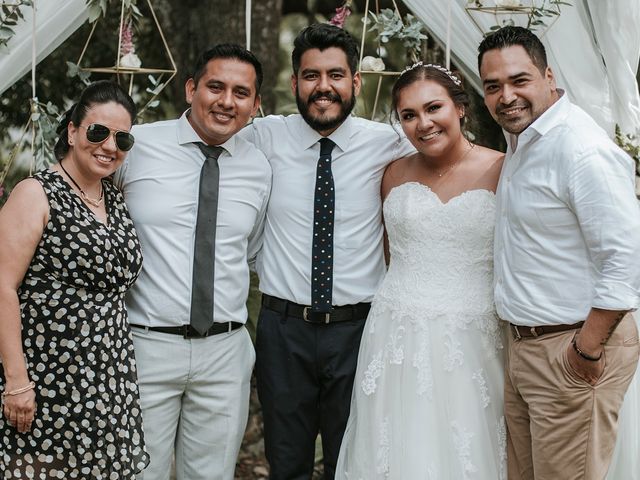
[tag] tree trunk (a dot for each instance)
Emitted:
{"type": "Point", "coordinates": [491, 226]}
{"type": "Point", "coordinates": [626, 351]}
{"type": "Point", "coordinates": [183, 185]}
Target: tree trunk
{"type": "Point", "coordinates": [192, 26]}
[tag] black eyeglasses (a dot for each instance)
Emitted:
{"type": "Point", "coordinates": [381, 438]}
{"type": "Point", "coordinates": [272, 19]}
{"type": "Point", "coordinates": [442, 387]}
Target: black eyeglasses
{"type": "Point", "coordinates": [97, 133]}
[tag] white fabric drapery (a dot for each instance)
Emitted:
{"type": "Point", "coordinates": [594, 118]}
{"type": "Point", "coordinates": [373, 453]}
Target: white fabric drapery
{"type": "Point", "coordinates": [56, 20]}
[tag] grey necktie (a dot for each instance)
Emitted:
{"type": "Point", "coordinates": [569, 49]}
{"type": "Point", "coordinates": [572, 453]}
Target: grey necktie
{"type": "Point", "coordinates": [205, 243]}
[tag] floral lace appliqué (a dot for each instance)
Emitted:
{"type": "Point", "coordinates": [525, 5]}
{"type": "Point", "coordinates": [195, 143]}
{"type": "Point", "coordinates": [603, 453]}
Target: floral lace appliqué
{"type": "Point", "coordinates": [462, 444]}
{"type": "Point", "coordinates": [374, 370]}
{"type": "Point", "coordinates": [478, 376]}
{"type": "Point", "coordinates": [382, 457]}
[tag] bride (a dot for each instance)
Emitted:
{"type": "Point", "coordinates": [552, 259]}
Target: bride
{"type": "Point", "coordinates": [427, 399]}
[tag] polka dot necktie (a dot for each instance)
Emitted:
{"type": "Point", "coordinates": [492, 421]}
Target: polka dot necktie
{"type": "Point", "coordinates": [205, 241]}
{"type": "Point", "coordinates": [322, 247]}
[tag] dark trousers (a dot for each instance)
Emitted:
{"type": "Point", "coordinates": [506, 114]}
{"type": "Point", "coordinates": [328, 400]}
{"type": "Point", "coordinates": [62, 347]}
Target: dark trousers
{"type": "Point", "coordinates": [305, 377]}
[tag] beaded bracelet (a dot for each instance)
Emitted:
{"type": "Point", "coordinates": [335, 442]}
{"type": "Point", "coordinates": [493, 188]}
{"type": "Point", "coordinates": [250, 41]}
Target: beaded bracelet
{"type": "Point", "coordinates": [582, 354]}
{"type": "Point", "coordinates": [18, 391]}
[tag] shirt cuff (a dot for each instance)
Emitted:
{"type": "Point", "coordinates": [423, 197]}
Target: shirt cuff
{"type": "Point", "coordinates": [613, 295]}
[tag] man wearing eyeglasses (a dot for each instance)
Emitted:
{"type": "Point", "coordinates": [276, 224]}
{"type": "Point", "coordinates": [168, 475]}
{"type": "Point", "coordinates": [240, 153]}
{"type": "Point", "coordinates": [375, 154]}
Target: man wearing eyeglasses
{"type": "Point", "coordinates": [197, 194]}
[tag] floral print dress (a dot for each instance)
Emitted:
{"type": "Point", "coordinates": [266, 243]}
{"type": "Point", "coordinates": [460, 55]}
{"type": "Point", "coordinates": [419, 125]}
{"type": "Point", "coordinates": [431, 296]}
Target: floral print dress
{"type": "Point", "coordinates": [78, 347]}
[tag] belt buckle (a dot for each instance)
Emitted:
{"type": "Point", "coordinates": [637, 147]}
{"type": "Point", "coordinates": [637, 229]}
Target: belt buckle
{"type": "Point", "coordinates": [185, 331]}
{"type": "Point", "coordinates": [534, 332]}
{"type": "Point", "coordinates": [305, 316]}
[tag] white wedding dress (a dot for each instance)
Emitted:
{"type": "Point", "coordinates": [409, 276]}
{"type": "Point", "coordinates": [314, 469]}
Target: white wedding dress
{"type": "Point", "coordinates": [427, 401]}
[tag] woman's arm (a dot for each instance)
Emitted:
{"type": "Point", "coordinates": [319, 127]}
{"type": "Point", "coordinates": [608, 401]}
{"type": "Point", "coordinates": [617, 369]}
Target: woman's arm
{"type": "Point", "coordinates": [22, 221]}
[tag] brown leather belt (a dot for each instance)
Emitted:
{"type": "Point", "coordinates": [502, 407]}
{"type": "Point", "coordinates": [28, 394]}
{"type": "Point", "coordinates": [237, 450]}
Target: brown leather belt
{"type": "Point", "coordinates": [519, 331]}
{"type": "Point", "coordinates": [343, 313]}
{"type": "Point", "coordinates": [187, 331]}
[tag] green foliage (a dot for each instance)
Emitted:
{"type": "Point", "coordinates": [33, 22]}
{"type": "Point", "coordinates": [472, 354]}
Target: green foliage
{"type": "Point", "coordinates": [45, 119]}
{"type": "Point", "coordinates": [388, 24]}
{"type": "Point", "coordinates": [99, 8]}
{"type": "Point", "coordinates": [74, 70]}
{"type": "Point", "coordinates": [10, 15]}
{"type": "Point", "coordinates": [38, 136]}
{"type": "Point", "coordinates": [630, 144]}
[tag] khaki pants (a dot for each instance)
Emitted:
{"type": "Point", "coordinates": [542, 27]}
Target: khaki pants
{"type": "Point", "coordinates": [559, 426]}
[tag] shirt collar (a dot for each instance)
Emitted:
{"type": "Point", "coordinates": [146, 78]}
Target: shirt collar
{"type": "Point", "coordinates": [551, 117]}
{"type": "Point", "coordinates": [309, 137]}
{"type": "Point", "coordinates": [186, 134]}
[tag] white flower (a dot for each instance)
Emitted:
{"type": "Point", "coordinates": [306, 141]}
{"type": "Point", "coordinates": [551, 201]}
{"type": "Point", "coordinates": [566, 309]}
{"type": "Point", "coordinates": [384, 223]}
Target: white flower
{"type": "Point", "coordinates": [130, 60]}
{"type": "Point", "coordinates": [508, 3]}
{"type": "Point", "coordinates": [372, 64]}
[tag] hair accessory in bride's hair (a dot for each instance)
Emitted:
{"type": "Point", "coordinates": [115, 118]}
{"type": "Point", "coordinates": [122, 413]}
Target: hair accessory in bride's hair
{"type": "Point", "coordinates": [446, 71]}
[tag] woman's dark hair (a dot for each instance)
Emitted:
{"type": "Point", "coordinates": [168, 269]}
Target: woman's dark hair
{"type": "Point", "coordinates": [97, 93]}
{"type": "Point", "coordinates": [323, 36]}
{"type": "Point", "coordinates": [436, 73]}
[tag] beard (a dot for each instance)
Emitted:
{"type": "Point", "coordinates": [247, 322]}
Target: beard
{"type": "Point", "coordinates": [323, 122]}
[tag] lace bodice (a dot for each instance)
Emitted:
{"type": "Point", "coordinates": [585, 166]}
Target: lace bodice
{"type": "Point", "coordinates": [441, 253]}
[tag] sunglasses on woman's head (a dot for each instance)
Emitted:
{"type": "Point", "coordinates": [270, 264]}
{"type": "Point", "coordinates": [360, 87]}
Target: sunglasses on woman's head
{"type": "Point", "coordinates": [97, 133]}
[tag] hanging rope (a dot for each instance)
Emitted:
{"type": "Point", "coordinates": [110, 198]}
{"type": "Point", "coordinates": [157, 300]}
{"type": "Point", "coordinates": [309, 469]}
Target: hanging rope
{"type": "Point", "coordinates": [447, 47]}
{"type": "Point", "coordinates": [34, 98]}
{"type": "Point", "coordinates": [247, 23]}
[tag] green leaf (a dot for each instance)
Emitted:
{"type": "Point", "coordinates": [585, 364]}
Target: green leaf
{"type": "Point", "coordinates": [136, 11]}
{"type": "Point", "coordinates": [94, 13]}
{"type": "Point", "coordinates": [72, 69]}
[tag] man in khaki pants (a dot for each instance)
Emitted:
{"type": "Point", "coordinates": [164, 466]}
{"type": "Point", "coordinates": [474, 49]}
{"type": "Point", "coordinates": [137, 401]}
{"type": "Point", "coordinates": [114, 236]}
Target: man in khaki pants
{"type": "Point", "coordinates": [567, 268]}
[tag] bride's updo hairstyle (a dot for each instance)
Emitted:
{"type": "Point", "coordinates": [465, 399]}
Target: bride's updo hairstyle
{"type": "Point", "coordinates": [437, 73]}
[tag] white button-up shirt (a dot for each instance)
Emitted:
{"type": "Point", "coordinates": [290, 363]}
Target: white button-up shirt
{"type": "Point", "coordinates": [160, 181]}
{"type": "Point", "coordinates": [567, 234]}
{"type": "Point", "coordinates": [363, 150]}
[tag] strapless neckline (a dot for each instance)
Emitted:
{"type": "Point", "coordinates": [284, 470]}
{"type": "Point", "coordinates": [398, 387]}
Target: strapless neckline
{"type": "Point", "coordinates": [455, 198]}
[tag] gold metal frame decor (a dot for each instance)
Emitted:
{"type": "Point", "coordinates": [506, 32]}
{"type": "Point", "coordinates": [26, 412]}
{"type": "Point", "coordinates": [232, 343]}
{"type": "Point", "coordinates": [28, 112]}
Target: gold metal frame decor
{"type": "Point", "coordinates": [121, 68]}
{"type": "Point", "coordinates": [375, 66]}
{"type": "Point", "coordinates": [535, 15]}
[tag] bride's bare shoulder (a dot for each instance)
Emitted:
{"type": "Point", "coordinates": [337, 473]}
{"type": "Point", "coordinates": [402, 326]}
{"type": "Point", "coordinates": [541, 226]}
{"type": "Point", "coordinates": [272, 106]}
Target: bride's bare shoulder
{"type": "Point", "coordinates": [397, 173]}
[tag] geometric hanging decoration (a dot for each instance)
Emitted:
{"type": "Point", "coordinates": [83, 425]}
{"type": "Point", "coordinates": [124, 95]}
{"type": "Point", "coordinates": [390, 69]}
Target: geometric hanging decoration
{"type": "Point", "coordinates": [128, 64]}
{"type": "Point", "coordinates": [535, 15]}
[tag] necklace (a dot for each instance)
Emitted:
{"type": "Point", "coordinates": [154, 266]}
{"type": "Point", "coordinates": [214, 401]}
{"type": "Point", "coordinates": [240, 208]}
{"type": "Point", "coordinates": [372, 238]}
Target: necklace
{"type": "Point", "coordinates": [448, 169]}
{"type": "Point", "coordinates": [84, 196]}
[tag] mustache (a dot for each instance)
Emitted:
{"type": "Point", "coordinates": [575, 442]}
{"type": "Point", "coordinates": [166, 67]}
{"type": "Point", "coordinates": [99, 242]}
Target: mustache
{"type": "Point", "coordinates": [328, 95]}
{"type": "Point", "coordinates": [501, 108]}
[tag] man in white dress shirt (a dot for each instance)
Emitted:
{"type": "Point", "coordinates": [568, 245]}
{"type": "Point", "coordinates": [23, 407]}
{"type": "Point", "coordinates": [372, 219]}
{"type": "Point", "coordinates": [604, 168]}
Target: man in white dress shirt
{"type": "Point", "coordinates": [567, 269]}
{"type": "Point", "coordinates": [194, 380]}
{"type": "Point", "coordinates": [307, 348]}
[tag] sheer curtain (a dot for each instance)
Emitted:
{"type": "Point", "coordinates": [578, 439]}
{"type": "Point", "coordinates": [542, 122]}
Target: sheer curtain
{"type": "Point", "coordinates": [55, 21]}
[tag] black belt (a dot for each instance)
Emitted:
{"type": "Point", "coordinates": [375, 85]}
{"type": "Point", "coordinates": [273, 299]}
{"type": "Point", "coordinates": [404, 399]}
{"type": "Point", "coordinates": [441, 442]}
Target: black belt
{"type": "Point", "coordinates": [187, 331]}
{"type": "Point", "coordinates": [342, 313]}
{"type": "Point", "coordinates": [528, 332]}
